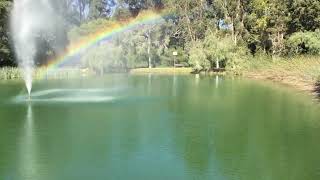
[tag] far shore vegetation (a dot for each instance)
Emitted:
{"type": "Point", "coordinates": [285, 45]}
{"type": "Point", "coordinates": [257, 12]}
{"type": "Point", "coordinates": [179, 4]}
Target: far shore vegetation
{"type": "Point", "coordinates": [277, 40]}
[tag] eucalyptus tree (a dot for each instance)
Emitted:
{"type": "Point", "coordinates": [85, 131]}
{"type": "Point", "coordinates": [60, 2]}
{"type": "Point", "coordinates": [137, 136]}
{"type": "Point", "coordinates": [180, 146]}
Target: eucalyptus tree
{"type": "Point", "coordinates": [101, 8]}
{"type": "Point", "coordinates": [191, 18]}
{"type": "Point", "coordinates": [82, 7]}
{"type": "Point", "coordinates": [266, 22]}
{"type": "Point", "coordinates": [230, 14]}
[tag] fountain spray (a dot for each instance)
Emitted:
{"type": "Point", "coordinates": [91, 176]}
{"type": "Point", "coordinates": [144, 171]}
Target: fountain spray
{"type": "Point", "coordinates": [29, 20]}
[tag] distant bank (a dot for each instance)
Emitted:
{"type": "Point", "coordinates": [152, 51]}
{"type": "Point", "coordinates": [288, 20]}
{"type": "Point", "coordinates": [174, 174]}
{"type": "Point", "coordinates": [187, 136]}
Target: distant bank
{"type": "Point", "coordinates": [164, 70]}
{"type": "Point", "coordinates": [300, 73]}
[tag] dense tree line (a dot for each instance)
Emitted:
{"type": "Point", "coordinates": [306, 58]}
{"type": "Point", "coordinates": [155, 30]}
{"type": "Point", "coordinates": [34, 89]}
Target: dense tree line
{"type": "Point", "coordinates": [6, 55]}
{"type": "Point", "coordinates": [206, 33]}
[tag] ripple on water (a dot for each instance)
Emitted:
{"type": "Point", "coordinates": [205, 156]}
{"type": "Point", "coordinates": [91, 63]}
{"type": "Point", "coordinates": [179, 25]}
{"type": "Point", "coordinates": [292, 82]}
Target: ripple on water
{"type": "Point", "coordinates": [67, 96]}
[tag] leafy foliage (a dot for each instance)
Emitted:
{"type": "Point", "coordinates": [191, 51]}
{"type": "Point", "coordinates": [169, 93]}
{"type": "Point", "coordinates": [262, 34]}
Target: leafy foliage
{"type": "Point", "coordinates": [304, 42]}
{"type": "Point", "coordinates": [100, 8]}
{"type": "Point", "coordinates": [102, 58]}
{"type": "Point", "coordinates": [6, 53]}
{"type": "Point", "coordinates": [197, 57]}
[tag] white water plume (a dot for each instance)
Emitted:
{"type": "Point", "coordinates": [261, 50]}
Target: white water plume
{"type": "Point", "coordinates": [29, 20]}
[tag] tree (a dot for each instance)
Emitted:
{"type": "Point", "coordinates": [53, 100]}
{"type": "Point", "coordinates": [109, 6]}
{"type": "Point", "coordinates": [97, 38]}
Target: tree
{"type": "Point", "coordinates": [305, 15]}
{"type": "Point", "coordinates": [103, 57]}
{"type": "Point", "coordinates": [148, 43]}
{"type": "Point", "coordinates": [156, 38]}
{"type": "Point", "coordinates": [231, 13]}
{"type": "Point", "coordinates": [197, 58]}
{"type": "Point", "coordinates": [121, 13]}
{"type": "Point", "coordinates": [72, 11]}
{"type": "Point", "coordinates": [136, 6]}
{"type": "Point", "coordinates": [217, 49]}
{"type": "Point", "coordinates": [6, 53]}
{"type": "Point", "coordinates": [208, 54]}
{"type": "Point", "coordinates": [101, 8]}
{"type": "Point", "coordinates": [266, 21]}
{"type": "Point", "coordinates": [82, 5]}
{"type": "Point", "coordinates": [192, 19]}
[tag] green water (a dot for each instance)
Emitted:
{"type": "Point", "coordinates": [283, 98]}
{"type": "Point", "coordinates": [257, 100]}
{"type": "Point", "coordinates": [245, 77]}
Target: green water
{"type": "Point", "coordinates": [158, 128]}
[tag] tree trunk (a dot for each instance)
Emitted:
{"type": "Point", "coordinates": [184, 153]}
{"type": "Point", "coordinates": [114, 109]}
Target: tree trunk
{"type": "Point", "coordinates": [80, 10]}
{"type": "Point", "coordinates": [217, 64]}
{"type": "Point", "coordinates": [232, 30]}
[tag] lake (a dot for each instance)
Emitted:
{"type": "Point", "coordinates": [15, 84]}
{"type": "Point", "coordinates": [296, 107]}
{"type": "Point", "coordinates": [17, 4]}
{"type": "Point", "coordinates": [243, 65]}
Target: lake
{"type": "Point", "coordinates": [158, 127]}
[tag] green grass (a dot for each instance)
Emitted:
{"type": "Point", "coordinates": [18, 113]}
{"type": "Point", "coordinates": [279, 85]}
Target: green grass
{"type": "Point", "coordinates": [302, 72]}
{"type": "Point", "coordinates": [164, 70]}
{"type": "Point", "coordinates": [7, 73]}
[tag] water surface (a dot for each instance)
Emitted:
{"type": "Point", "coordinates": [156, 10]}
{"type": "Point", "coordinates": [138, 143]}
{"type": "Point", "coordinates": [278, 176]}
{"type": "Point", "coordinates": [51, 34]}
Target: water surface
{"type": "Point", "coordinates": [158, 127]}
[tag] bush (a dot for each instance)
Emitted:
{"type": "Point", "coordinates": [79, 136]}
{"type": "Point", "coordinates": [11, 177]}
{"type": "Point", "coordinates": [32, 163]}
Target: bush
{"type": "Point", "coordinates": [304, 43]}
{"type": "Point", "coordinates": [197, 58]}
{"type": "Point", "coordinates": [238, 60]}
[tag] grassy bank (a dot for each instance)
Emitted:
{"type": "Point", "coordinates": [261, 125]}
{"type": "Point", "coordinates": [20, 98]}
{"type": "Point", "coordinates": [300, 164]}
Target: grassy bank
{"type": "Point", "coordinates": [303, 72]}
{"type": "Point", "coordinates": [167, 70]}
{"type": "Point", "coordinates": [299, 72]}
{"type": "Point", "coordinates": [7, 73]}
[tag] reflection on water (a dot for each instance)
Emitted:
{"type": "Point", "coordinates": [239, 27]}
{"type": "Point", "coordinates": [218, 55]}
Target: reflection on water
{"type": "Point", "coordinates": [174, 85]}
{"type": "Point", "coordinates": [217, 81]}
{"type": "Point", "coordinates": [28, 161]}
{"type": "Point", "coordinates": [197, 78]}
{"type": "Point", "coordinates": [149, 83]}
{"type": "Point", "coordinates": [165, 127]}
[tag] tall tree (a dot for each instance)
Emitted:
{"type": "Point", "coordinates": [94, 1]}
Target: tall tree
{"type": "Point", "coordinates": [305, 15]}
{"type": "Point", "coordinates": [193, 18]}
{"type": "Point", "coordinates": [101, 8]}
{"type": "Point", "coordinates": [266, 21]}
{"type": "Point", "coordinates": [231, 14]}
{"type": "Point", "coordinates": [135, 6]}
{"type": "Point", "coordinates": [82, 5]}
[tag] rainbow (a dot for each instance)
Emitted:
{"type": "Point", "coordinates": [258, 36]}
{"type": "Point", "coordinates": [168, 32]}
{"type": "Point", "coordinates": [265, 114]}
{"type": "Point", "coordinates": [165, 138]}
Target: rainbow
{"type": "Point", "coordinates": [104, 34]}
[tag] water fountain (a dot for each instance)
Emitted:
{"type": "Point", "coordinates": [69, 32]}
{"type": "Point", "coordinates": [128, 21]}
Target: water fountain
{"type": "Point", "coordinates": [29, 19]}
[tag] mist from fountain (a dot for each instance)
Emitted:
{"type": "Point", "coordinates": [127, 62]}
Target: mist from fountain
{"type": "Point", "coordinates": [30, 19]}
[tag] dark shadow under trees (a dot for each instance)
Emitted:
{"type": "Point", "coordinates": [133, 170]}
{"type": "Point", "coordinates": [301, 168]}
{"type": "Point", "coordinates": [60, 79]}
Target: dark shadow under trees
{"type": "Point", "coordinates": [317, 89]}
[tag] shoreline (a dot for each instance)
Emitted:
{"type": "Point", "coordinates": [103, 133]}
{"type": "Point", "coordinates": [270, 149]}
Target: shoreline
{"type": "Point", "coordinates": [309, 86]}
{"type": "Point", "coordinates": [301, 83]}
{"type": "Point", "coordinates": [161, 70]}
